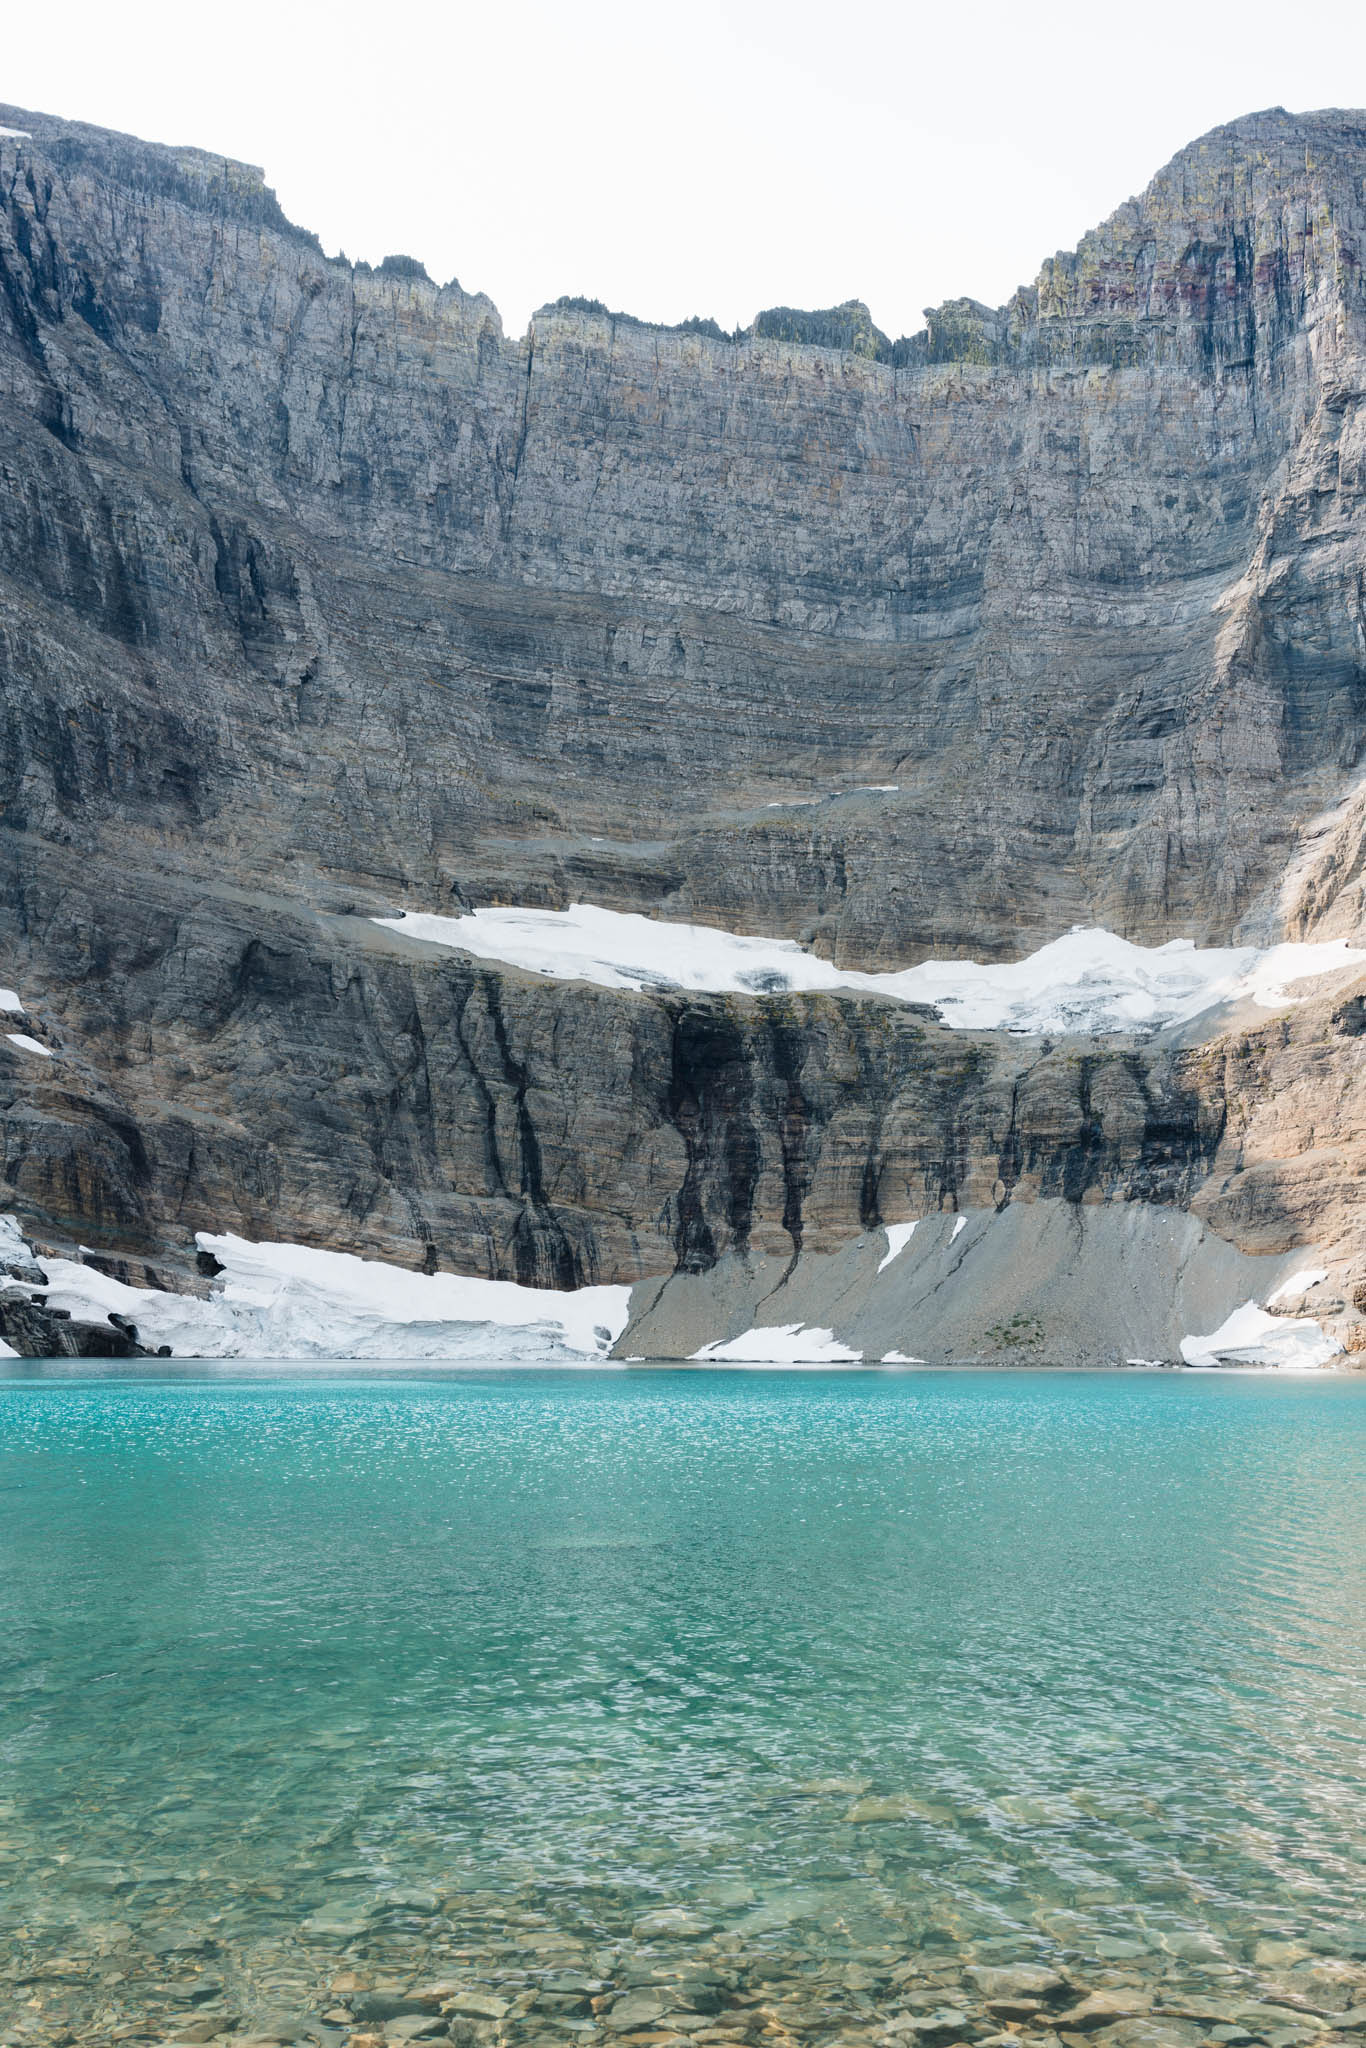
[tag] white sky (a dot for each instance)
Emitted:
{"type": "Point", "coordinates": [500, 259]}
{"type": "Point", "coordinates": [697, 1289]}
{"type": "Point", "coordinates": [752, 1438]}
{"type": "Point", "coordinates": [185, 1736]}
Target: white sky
{"type": "Point", "coordinates": [709, 158]}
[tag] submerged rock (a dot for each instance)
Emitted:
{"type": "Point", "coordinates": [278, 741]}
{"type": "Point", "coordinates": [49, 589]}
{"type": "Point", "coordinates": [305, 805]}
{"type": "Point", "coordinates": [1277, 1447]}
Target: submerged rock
{"type": "Point", "coordinates": [1018, 1980]}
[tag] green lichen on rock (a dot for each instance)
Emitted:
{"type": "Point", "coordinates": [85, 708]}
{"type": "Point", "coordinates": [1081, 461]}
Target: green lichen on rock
{"type": "Point", "coordinates": [849, 326]}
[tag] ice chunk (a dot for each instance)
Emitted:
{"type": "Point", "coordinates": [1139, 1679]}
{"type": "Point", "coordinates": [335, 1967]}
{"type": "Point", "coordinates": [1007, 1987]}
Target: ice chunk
{"type": "Point", "coordinates": [1252, 1337]}
{"type": "Point", "coordinates": [898, 1236]}
{"type": "Point", "coordinates": [587, 1320]}
{"type": "Point", "coordinates": [619, 949]}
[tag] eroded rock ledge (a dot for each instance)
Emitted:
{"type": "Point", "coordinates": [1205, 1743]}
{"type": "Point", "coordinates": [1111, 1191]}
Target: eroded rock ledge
{"type": "Point", "coordinates": [222, 1061]}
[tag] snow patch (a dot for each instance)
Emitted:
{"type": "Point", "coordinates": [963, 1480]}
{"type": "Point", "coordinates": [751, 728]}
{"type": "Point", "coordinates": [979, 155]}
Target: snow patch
{"type": "Point", "coordinates": [16, 135]}
{"type": "Point", "coordinates": [27, 1044]}
{"type": "Point", "coordinates": [289, 1301]}
{"type": "Point", "coordinates": [9, 1000]}
{"type": "Point", "coordinates": [8, 1351]}
{"type": "Point", "coordinates": [833, 796]}
{"type": "Point", "coordinates": [1088, 981]}
{"type": "Point", "coordinates": [1298, 1283]}
{"type": "Point", "coordinates": [898, 1236]}
{"type": "Point", "coordinates": [900, 1358]}
{"type": "Point", "coordinates": [16, 1259]}
{"type": "Point", "coordinates": [960, 1223]}
{"type": "Point", "coordinates": [782, 1344]}
{"type": "Point", "coordinates": [1251, 1337]}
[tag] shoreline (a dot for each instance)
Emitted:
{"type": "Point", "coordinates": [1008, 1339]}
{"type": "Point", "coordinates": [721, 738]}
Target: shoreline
{"type": "Point", "coordinates": [501, 1966]}
{"type": "Point", "coordinates": [18, 1371]}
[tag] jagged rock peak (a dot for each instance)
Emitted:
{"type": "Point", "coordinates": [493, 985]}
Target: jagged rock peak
{"type": "Point", "coordinates": [204, 182]}
{"type": "Point", "coordinates": [1231, 235]}
{"type": "Point", "coordinates": [196, 178]}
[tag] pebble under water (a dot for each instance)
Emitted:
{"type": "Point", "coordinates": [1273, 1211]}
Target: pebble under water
{"type": "Point", "coordinates": [790, 1708]}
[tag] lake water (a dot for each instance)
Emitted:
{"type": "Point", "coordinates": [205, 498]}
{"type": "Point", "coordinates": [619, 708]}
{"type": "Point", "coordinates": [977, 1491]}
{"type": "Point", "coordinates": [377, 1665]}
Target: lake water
{"type": "Point", "coordinates": [466, 1675]}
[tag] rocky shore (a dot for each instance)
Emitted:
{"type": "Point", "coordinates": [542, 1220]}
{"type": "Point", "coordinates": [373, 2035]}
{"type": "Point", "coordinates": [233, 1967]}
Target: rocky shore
{"type": "Point", "coordinates": [495, 1970]}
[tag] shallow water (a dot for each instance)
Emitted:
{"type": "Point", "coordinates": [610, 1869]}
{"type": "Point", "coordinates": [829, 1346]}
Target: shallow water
{"type": "Point", "coordinates": [1038, 1665]}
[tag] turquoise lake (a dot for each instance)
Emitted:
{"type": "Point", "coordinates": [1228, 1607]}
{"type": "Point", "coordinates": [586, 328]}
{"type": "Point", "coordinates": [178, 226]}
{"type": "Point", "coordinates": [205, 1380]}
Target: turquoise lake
{"type": "Point", "coordinates": [1037, 1664]}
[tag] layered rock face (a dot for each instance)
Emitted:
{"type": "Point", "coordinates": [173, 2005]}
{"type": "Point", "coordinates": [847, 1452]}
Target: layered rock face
{"type": "Point", "coordinates": [246, 1065]}
{"type": "Point", "coordinates": [370, 587]}
{"type": "Point", "coordinates": [319, 596]}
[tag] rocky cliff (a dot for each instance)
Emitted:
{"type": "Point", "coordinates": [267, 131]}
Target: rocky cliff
{"type": "Point", "coordinates": [320, 597]}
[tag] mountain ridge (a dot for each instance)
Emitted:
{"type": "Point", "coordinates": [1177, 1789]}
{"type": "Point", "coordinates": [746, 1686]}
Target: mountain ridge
{"type": "Point", "coordinates": [206, 178]}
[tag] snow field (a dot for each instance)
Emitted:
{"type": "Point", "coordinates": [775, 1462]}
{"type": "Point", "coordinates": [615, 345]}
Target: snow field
{"type": "Point", "coordinates": [290, 1301]}
{"type": "Point", "coordinates": [1087, 981]}
{"type": "Point", "coordinates": [281, 1301]}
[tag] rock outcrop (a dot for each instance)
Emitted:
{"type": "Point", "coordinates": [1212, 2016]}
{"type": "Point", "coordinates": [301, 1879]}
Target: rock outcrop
{"type": "Point", "coordinates": [320, 597]}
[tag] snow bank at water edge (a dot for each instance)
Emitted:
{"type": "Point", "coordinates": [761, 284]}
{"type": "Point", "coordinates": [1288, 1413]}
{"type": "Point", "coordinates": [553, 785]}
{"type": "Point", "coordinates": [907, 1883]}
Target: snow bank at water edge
{"type": "Point", "coordinates": [1089, 981]}
{"type": "Point", "coordinates": [288, 1301]}
{"type": "Point", "coordinates": [783, 1344]}
{"type": "Point", "coordinates": [1252, 1337]}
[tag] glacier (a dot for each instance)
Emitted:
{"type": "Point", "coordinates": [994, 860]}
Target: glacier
{"type": "Point", "coordinates": [1089, 980]}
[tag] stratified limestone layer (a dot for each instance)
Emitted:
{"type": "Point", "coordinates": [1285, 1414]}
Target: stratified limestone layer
{"type": "Point", "coordinates": [222, 1061]}
{"type": "Point", "coordinates": [309, 571]}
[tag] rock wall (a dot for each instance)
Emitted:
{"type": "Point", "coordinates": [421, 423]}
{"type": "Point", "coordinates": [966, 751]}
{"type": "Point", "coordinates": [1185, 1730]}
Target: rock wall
{"type": "Point", "coordinates": [320, 596]}
{"type": "Point", "coordinates": [224, 1061]}
{"type": "Point", "coordinates": [309, 565]}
